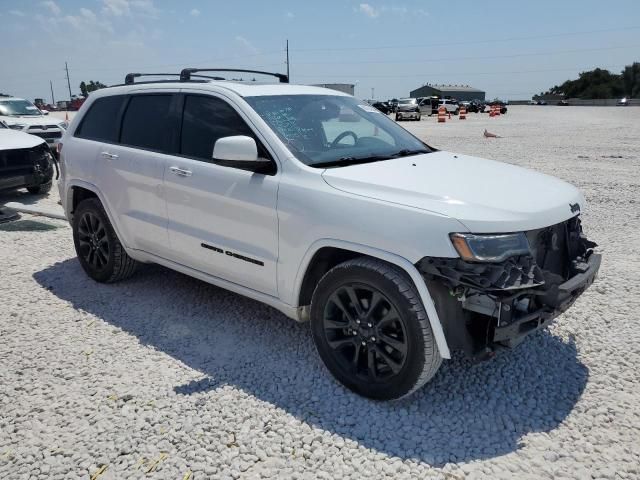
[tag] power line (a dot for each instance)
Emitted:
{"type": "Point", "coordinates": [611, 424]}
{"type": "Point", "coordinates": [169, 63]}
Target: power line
{"type": "Point", "coordinates": [446, 59]}
{"type": "Point", "coordinates": [443, 74]}
{"type": "Point", "coordinates": [497, 40]}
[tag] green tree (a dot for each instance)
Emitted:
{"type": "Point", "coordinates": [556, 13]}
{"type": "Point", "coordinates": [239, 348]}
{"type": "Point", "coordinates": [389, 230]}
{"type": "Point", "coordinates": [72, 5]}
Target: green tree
{"type": "Point", "coordinates": [631, 80]}
{"type": "Point", "coordinates": [92, 86]}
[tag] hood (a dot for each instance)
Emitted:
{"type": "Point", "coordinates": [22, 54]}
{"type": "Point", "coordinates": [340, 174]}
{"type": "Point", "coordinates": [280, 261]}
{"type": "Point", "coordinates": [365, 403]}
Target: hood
{"type": "Point", "coordinates": [12, 139]}
{"type": "Point", "coordinates": [485, 195]}
{"type": "Point", "coordinates": [31, 120]}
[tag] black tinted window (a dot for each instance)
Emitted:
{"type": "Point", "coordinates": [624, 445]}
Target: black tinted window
{"type": "Point", "coordinates": [101, 121]}
{"type": "Point", "coordinates": [147, 123]}
{"type": "Point", "coordinates": [205, 120]}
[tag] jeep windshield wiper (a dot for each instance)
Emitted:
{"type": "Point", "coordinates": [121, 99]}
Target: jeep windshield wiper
{"type": "Point", "coordinates": [344, 161]}
{"type": "Point", "coordinates": [407, 153]}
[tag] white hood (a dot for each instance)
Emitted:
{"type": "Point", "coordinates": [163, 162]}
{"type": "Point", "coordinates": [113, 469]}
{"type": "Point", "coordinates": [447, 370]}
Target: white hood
{"type": "Point", "coordinates": [12, 139]}
{"type": "Point", "coordinates": [485, 195]}
{"type": "Point", "coordinates": [31, 120]}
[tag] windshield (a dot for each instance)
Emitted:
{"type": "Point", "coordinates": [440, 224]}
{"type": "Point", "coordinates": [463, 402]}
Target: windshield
{"type": "Point", "coordinates": [18, 107]}
{"type": "Point", "coordinates": [407, 101]}
{"type": "Point", "coordinates": [325, 130]}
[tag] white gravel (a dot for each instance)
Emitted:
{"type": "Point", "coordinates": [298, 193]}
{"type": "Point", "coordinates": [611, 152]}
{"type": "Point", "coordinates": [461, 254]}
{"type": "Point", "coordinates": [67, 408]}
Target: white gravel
{"type": "Point", "coordinates": [168, 375]}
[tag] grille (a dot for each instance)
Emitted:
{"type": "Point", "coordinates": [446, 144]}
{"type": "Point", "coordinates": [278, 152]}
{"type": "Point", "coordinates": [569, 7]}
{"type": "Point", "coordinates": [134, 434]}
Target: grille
{"type": "Point", "coordinates": [40, 127]}
{"type": "Point", "coordinates": [48, 135]}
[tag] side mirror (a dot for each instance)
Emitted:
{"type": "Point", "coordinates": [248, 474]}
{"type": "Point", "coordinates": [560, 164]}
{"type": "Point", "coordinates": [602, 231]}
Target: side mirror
{"type": "Point", "coordinates": [240, 151]}
{"type": "Point", "coordinates": [238, 148]}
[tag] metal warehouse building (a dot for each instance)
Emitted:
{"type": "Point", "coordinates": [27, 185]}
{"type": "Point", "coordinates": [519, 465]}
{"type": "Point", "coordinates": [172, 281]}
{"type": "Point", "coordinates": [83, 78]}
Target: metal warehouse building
{"type": "Point", "coordinates": [459, 92]}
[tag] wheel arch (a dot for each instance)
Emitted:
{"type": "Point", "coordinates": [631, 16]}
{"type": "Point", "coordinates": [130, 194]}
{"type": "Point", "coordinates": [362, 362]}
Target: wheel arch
{"type": "Point", "coordinates": [325, 254]}
{"type": "Point", "coordinates": [79, 190]}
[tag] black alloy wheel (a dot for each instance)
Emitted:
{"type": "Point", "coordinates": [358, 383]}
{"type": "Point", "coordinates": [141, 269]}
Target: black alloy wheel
{"type": "Point", "coordinates": [365, 331]}
{"type": "Point", "coordinates": [92, 241]}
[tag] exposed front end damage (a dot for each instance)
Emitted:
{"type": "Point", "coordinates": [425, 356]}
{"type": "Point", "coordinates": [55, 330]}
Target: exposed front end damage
{"type": "Point", "coordinates": [487, 305]}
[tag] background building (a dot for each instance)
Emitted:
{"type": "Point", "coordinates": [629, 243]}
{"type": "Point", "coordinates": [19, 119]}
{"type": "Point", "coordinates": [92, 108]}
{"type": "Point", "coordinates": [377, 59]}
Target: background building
{"type": "Point", "coordinates": [459, 92]}
{"type": "Point", "coordinates": [341, 87]}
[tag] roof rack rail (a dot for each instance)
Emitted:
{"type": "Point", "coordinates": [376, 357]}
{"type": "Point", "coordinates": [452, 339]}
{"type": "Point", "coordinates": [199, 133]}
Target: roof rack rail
{"type": "Point", "coordinates": [129, 79]}
{"type": "Point", "coordinates": [185, 74]}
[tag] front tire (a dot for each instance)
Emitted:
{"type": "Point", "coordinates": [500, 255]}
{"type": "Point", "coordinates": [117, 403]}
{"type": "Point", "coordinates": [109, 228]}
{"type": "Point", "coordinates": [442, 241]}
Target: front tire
{"type": "Point", "coordinates": [99, 250]}
{"type": "Point", "coordinates": [371, 330]}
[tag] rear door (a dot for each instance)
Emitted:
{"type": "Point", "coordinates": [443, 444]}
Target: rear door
{"type": "Point", "coordinates": [222, 220]}
{"type": "Point", "coordinates": [130, 171]}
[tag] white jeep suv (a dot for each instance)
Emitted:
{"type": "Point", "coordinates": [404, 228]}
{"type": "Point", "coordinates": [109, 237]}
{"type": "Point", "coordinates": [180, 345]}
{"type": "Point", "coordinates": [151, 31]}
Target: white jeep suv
{"type": "Point", "coordinates": [317, 204]}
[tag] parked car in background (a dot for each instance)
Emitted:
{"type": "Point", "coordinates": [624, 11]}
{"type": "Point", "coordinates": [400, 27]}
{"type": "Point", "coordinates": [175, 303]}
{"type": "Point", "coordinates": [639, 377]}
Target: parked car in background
{"type": "Point", "coordinates": [499, 103]}
{"type": "Point", "coordinates": [450, 105]}
{"type": "Point", "coordinates": [408, 109]}
{"type": "Point", "coordinates": [396, 253]}
{"type": "Point", "coordinates": [475, 106]}
{"type": "Point", "coordinates": [623, 102]}
{"type": "Point", "coordinates": [21, 114]}
{"type": "Point", "coordinates": [25, 161]}
{"type": "Point", "coordinates": [428, 105]}
{"type": "Point", "coordinates": [563, 103]}
{"type": "Point", "coordinates": [384, 107]}
{"type": "Point", "coordinates": [541, 102]}
{"type": "Point", "coordinates": [532, 102]}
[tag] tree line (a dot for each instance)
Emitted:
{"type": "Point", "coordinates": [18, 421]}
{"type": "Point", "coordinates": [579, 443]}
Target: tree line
{"type": "Point", "coordinates": [601, 83]}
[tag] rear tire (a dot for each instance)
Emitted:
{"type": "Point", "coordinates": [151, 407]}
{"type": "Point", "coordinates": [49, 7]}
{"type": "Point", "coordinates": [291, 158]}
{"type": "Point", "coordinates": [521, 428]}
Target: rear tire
{"type": "Point", "coordinates": [372, 331]}
{"type": "Point", "coordinates": [40, 189]}
{"type": "Point", "coordinates": [99, 250]}
{"type": "Point", "coordinates": [398, 118]}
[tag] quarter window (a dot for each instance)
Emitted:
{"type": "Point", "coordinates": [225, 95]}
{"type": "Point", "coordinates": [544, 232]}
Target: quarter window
{"type": "Point", "coordinates": [204, 121]}
{"type": "Point", "coordinates": [147, 122]}
{"type": "Point", "coordinates": [101, 121]}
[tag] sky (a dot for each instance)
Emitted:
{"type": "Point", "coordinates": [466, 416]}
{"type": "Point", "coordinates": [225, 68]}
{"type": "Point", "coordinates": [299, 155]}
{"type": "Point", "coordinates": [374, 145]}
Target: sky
{"type": "Point", "coordinates": [510, 49]}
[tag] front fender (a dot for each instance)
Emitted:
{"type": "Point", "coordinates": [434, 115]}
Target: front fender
{"type": "Point", "coordinates": [403, 263]}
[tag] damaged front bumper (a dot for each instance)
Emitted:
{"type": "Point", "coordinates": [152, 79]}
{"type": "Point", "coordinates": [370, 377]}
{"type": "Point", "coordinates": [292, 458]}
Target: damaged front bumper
{"type": "Point", "coordinates": [487, 305]}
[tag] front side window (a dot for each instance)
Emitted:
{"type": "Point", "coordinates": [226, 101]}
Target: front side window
{"type": "Point", "coordinates": [204, 121]}
{"type": "Point", "coordinates": [147, 122]}
{"type": "Point", "coordinates": [326, 130]}
{"type": "Point", "coordinates": [101, 121]}
{"type": "Point", "coordinates": [18, 108]}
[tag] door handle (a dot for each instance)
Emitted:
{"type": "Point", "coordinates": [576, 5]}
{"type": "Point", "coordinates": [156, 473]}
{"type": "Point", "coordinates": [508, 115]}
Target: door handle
{"type": "Point", "coordinates": [109, 156]}
{"type": "Point", "coordinates": [181, 172]}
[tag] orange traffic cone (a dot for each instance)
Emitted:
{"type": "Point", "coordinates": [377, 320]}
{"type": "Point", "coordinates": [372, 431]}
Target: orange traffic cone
{"type": "Point", "coordinates": [462, 113]}
{"type": "Point", "coordinates": [497, 114]}
{"type": "Point", "coordinates": [441, 114]}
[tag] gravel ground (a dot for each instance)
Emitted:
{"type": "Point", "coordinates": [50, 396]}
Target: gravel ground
{"type": "Point", "coordinates": [163, 376]}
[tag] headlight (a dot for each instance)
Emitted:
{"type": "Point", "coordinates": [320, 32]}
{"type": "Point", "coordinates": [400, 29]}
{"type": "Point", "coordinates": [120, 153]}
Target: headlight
{"type": "Point", "coordinates": [64, 125]}
{"type": "Point", "coordinates": [489, 248]}
{"type": "Point", "coordinates": [18, 126]}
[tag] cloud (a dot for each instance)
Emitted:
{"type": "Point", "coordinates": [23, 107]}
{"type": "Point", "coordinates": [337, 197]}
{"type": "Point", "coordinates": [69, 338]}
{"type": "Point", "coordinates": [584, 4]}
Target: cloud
{"type": "Point", "coordinates": [195, 12]}
{"type": "Point", "coordinates": [120, 8]}
{"type": "Point", "coordinates": [399, 11]}
{"type": "Point", "coordinates": [52, 6]}
{"type": "Point", "coordinates": [17, 13]}
{"type": "Point", "coordinates": [249, 47]}
{"type": "Point", "coordinates": [368, 10]}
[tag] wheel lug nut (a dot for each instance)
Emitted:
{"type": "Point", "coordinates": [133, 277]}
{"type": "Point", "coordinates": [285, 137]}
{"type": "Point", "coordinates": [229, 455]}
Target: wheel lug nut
{"type": "Point", "coordinates": [364, 343]}
{"type": "Point", "coordinates": [373, 339]}
{"type": "Point", "coordinates": [369, 325]}
{"type": "Point", "coordinates": [358, 322]}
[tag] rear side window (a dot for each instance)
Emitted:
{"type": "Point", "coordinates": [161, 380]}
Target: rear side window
{"type": "Point", "coordinates": [205, 120]}
{"type": "Point", "coordinates": [147, 122]}
{"type": "Point", "coordinates": [101, 121]}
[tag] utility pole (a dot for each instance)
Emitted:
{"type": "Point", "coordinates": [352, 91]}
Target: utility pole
{"type": "Point", "coordinates": [53, 100]}
{"type": "Point", "coordinates": [66, 67]}
{"type": "Point", "coordinates": [288, 75]}
{"type": "Point", "coordinates": [373, 93]}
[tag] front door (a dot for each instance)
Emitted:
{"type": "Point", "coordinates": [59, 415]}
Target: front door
{"type": "Point", "coordinates": [222, 220]}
